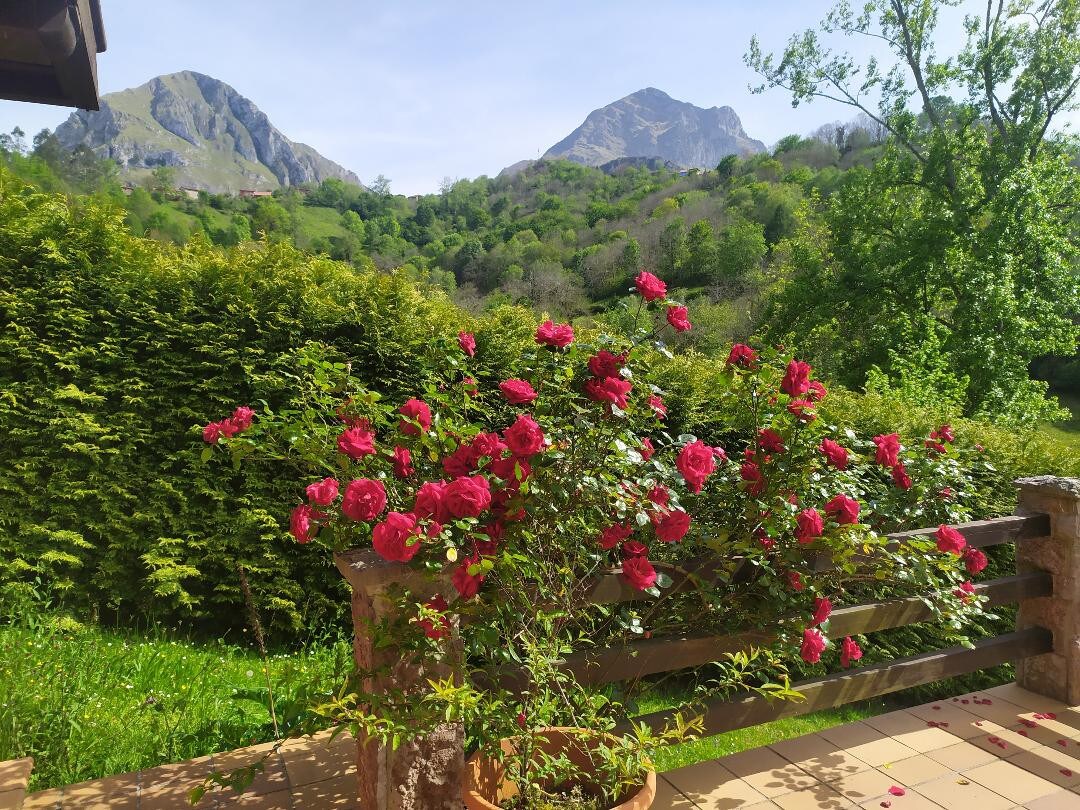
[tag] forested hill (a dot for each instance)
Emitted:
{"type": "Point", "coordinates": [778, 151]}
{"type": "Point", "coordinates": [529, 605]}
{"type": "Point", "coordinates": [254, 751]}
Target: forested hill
{"type": "Point", "coordinates": [780, 245]}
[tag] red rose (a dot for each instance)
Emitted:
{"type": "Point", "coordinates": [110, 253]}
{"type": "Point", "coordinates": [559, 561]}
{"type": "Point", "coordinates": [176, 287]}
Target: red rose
{"type": "Point", "coordinates": [467, 343]}
{"type": "Point", "coordinates": [816, 391]}
{"type": "Point", "coordinates": [428, 626]}
{"type": "Point", "coordinates": [796, 380]}
{"type": "Point", "coordinates": [795, 581]}
{"type": "Point", "coordinates": [639, 572]}
{"type": "Point", "coordinates": [936, 446]}
{"type": "Point", "coordinates": [679, 319]}
{"type": "Point", "coordinates": [302, 523]}
{"type": "Point", "coordinates": [228, 428]}
{"type": "Point", "coordinates": [467, 585]}
{"type": "Point", "coordinates": [965, 592]}
{"type": "Point", "coordinates": [486, 444]}
{"type": "Point", "coordinates": [632, 548]}
{"type": "Point", "coordinates": [647, 449]}
{"type": "Point", "coordinates": [467, 496]}
{"type": "Point", "coordinates": [888, 449]}
{"type": "Point", "coordinates": [402, 460]}
{"type": "Point", "coordinates": [750, 472]}
{"type": "Point", "coordinates": [356, 442]}
{"type": "Point", "coordinates": [415, 411]}
{"type": "Point", "coordinates": [512, 470]}
{"type": "Point", "coordinates": [974, 560]}
{"type": "Point", "coordinates": [770, 441]}
{"type": "Point", "coordinates": [461, 462]}
{"type": "Point", "coordinates": [742, 356]}
{"type": "Point", "coordinates": [649, 286]}
{"type": "Point", "coordinates": [517, 392]}
{"type": "Point", "coordinates": [943, 434]}
{"type": "Point", "coordinates": [323, 492]}
{"type": "Point", "coordinates": [849, 651]}
{"type": "Point", "coordinates": [555, 335]}
{"type": "Point", "coordinates": [671, 527]}
{"type": "Point", "coordinates": [949, 540]}
{"type": "Point", "coordinates": [900, 477]}
{"type": "Point", "coordinates": [470, 386]}
{"type": "Point", "coordinates": [364, 499]}
{"type": "Point", "coordinates": [842, 509]}
{"type": "Point", "coordinates": [525, 437]}
{"type": "Point", "coordinates": [802, 409]}
{"type": "Point", "coordinates": [822, 609]}
{"type": "Point", "coordinates": [809, 525]}
{"type": "Point", "coordinates": [659, 495]}
{"type": "Point", "coordinates": [834, 454]}
{"type": "Point", "coordinates": [397, 538]}
{"type": "Point", "coordinates": [605, 364]}
{"type": "Point", "coordinates": [609, 389]}
{"type": "Point", "coordinates": [813, 645]}
{"type": "Point", "coordinates": [212, 433]}
{"type": "Point", "coordinates": [243, 416]}
{"type": "Point", "coordinates": [613, 535]}
{"type": "Point", "coordinates": [696, 462]}
{"type": "Point", "coordinates": [658, 406]}
{"type": "Point", "coordinates": [429, 501]}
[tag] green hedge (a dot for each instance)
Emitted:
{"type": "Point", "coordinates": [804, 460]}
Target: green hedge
{"type": "Point", "coordinates": [114, 347]}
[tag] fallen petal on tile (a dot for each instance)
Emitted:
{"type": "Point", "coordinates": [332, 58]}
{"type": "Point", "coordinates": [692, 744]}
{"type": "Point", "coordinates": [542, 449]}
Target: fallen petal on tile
{"type": "Point", "coordinates": [1066, 772]}
{"type": "Point", "coordinates": [886, 803]}
{"type": "Point", "coordinates": [896, 790]}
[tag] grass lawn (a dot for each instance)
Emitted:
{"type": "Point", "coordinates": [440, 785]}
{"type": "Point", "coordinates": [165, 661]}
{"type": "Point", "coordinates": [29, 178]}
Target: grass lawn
{"type": "Point", "coordinates": [86, 702]}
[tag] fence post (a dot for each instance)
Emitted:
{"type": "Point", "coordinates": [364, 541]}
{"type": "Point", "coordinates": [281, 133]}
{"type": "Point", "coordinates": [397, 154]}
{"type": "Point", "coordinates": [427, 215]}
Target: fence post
{"type": "Point", "coordinates": [1056, 674]}
{"type": "Point", "coordinates": [424, 774]}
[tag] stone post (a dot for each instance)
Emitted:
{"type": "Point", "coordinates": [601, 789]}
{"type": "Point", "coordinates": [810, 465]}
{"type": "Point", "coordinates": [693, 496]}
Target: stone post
{"type": "Point", "coordinates": [424, 774]}
{"type": "Point", "coordinates": [1056, 674]}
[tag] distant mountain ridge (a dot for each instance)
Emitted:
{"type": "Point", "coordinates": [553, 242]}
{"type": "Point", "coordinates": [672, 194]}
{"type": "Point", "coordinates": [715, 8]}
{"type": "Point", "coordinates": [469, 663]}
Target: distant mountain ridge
{"type": "Point", "coordinates": [215, 138]}
{"type": "Point", "coordinates": [651, 124]}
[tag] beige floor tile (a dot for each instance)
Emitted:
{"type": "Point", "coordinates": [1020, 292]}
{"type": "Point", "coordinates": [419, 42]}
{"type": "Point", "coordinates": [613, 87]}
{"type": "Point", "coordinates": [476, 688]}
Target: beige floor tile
{"type": "Point", "coordinates": [867, 743]}
{"type": "Point", "coordinates": [1004, 743]}
{"type": "Point", "coordinates": [278, 800]}
{"type": "Point", "coordinates": [1011, 781]}
{"type": "Point", "coordinates": [957, 793]}
{"type": "Point", "coordinates": [963, 755]}
{"type": "Point", "coordinates": [330, 794]}
{"type": "Point", "coordinates": [1050, 732]}
{"type": "Point", "coordinates": [768, 772]}
{"type": "Point", "coordinates": [711, 786]}
{"type": "Point", "coordinates": [865, 785]}
{"type": "Point", "coordinates": [914, 770]}
{"type": "Point", "coordinates": [1051, 763]}
{"type": "Point", "coordinates": [1060, 723]}
{"type": "Point", "coordinates": [15, 773]}
{"type": "Point", "coordinates": [668, 798]}
{"type": "Point", "coordinates": [819, 757]}
{"type": "Point", "coordinates": [999, 710]}
{"type": "Point", "coordinates": [112, 793]}
{"type": "Point", "coordinates": [270, 779]}
{"type": "Point", "coordinates": [1064, 800]}
{"type": "Point", "coordinates": [312, 760]}
{"type": "Point", "coordinates": [12, 799]}
{"type": "Point", "coordinates": [167, 787]}
{"type": "Point", "coordinates": [912, 731]}
{"type": "Point", "coordinates": [821, 797]}
{"type": "Point", "coordinates": [909, 801]}
{"type": "Point", "coordinates": [42, 800]}
{"type": "Point", "coordinates": [961, 723]}
{"type": "Point", "coordinates": [1022, 697]}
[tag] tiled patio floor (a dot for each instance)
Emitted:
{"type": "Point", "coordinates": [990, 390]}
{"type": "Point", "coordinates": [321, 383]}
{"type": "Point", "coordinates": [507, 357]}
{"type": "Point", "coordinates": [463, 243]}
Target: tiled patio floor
{"type": "Point", "coordinates": [996, 750]}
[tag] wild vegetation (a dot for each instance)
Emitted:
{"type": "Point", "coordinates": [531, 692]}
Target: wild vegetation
{"type": "Point", "coordinates": [923, 257]}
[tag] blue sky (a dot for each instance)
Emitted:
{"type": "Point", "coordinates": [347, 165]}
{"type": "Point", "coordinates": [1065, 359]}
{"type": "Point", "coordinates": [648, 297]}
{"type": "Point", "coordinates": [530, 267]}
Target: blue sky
{"type": "Point", "coordinates": [423, 90]}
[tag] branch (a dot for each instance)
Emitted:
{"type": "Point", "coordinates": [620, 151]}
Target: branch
{"type": "Point", "coordinates": [914, 60]}
{"type": "Point", "coordinates": [987, 71]}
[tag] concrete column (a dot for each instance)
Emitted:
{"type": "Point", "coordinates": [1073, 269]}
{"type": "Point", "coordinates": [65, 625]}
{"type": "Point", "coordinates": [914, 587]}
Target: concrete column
{"type": "Point", "coordinates": [425, 774]}
{"type": "Point", "coordinates": [1056, 674]}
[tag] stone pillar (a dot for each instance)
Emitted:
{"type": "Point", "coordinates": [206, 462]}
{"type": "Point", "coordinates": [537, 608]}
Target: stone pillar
{"type": "Point", "coordinates": [1056, 674]}
{"type": "Point", "coordinates": [425, 774]}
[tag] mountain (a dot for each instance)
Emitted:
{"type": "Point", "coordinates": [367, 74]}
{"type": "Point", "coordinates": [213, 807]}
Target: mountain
{"type": "Point", "coordinates": [650, 123]}
{"type": "Point", "coordinates": [215, 138]}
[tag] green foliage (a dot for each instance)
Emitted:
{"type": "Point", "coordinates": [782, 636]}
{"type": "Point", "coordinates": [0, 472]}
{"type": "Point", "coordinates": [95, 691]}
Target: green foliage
{"type": "Point", "coordinates": [114, 347]}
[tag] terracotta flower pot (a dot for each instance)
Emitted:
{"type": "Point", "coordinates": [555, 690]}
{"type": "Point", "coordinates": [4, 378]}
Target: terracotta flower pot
{"type": "Point", "coordinates": [486, 784]}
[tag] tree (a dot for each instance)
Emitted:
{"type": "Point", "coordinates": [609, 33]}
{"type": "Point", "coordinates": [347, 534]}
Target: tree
{"type": "Point", "coordinates": [961, 226]}
{"type": "Point", "coordinates": [381, 185]}
{"type": "Point", "coordinates": [699, 266]}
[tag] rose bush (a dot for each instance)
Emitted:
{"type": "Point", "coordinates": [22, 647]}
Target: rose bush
{"type": "Point", "coordinates": [514, 504]}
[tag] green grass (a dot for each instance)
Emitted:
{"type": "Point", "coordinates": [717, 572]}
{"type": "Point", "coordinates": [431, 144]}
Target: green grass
{"type": "Point", "coordinates": [86, 702]}
{"type": "Point", "coordinates": [1067, 432]}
